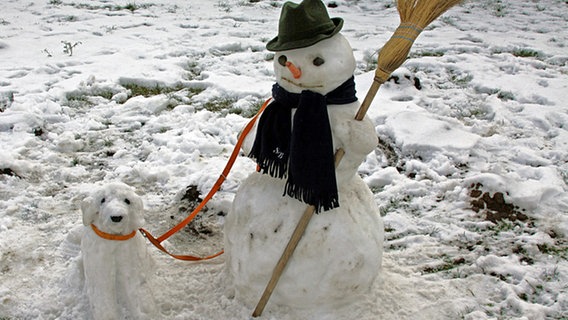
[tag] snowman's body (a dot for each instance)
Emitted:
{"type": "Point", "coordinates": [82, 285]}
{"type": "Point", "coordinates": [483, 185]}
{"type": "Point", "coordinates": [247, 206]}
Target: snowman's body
{"type": "Point", "coordinates": [339, 255]}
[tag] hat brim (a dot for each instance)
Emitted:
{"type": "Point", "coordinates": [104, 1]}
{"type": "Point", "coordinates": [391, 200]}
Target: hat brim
{"type": "Point", "coordinates": [277, 45]}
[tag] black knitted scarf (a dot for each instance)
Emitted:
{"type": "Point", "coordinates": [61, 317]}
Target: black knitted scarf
{"type": "Point", "coordinates": [302, 150]}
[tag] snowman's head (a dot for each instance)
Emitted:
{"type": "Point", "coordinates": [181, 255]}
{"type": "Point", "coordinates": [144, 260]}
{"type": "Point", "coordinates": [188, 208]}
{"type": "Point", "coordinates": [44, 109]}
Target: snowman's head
{"type": "Point", "coordinates": [320, 67]}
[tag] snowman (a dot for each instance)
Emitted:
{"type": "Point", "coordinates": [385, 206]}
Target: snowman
{"type": "Point", "coordinates": [310, 116]}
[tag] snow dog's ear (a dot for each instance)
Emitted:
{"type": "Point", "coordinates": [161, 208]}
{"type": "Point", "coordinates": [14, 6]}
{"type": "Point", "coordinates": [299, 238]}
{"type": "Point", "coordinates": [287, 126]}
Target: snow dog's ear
{"type": "Point", "coordinates": [136, 210]}
{"type": "Point", "coordinates": [90, 209]}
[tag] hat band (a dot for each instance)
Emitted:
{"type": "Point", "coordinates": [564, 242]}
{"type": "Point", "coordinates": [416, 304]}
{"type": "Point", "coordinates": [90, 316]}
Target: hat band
{"type": "Point", "coordinates": [304, 34]}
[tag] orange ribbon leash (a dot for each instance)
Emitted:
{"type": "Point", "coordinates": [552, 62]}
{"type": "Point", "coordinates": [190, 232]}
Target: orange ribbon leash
{"type": "Point", "coordinates": [158, 241]}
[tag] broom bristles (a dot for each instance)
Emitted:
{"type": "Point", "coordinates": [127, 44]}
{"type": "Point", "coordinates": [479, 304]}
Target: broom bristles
{"type": "Point", "coordinates": [415, 15]}
{"type": "Point", "coordinates": [423, 12]}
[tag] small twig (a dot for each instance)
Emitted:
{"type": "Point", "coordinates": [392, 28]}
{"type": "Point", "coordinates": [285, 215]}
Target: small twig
{"type": "Point", "coordinates": [49, 55]}
{"type": "Point", "coordinates": [68, 47]}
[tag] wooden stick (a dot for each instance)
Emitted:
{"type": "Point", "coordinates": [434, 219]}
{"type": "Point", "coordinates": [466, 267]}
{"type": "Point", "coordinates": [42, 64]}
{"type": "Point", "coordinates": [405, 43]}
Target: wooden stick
{"type": "Point", "coordinates": [415, 15]}
{"type": "Point", "coordinates": [288, 251]}
{"type": "Point", "coordinates": [368, 99]}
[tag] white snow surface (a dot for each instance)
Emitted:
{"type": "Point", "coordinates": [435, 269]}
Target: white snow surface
{"type": "Point", "coordinates": [490, 118]}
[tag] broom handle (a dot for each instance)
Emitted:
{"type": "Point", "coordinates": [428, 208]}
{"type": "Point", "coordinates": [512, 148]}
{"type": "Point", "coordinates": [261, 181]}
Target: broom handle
{"type": "Point", "coordinates": [289, 250]}
{"type": "Point", "coordinates": [377, 82]}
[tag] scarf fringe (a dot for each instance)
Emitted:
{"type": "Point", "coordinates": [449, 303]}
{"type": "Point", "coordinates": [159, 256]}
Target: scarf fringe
{"type": "Point", "coordinates": [320, 200]}
{"type": "Point", "coordinates": [274, 168]}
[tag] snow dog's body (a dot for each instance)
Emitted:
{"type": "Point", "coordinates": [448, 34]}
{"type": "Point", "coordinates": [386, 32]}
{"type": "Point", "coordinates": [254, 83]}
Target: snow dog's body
{"type": "Point", "coordinates": [116, 271]}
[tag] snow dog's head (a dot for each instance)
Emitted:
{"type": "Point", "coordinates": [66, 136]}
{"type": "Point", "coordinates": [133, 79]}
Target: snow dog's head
{"type": "Point", "coordinates": [114, 208]}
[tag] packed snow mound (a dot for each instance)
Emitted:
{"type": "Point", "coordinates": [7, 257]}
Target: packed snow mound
{"type": "Point", "coordinates": [417, 131]}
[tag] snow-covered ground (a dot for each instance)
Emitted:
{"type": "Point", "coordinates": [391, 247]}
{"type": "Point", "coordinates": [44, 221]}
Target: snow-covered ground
{"type": "Point", "coordinates": [471, 173]}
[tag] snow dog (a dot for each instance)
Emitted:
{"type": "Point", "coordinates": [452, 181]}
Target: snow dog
{"type": "Point", "coordinates": [117, 266]}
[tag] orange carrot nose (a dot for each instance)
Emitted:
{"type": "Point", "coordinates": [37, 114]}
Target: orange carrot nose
{"type": "Point", "coordinates": [296, 72]}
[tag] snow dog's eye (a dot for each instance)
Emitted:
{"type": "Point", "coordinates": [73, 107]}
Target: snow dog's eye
{"type": "Point", "coordinates": [282, 60]}
{"type": "Point", "coordinates": [126, 201]}
{"type": "Point", "coordinates": [103, 200]}
{"type": "Point", "coordinates": [318, 61]}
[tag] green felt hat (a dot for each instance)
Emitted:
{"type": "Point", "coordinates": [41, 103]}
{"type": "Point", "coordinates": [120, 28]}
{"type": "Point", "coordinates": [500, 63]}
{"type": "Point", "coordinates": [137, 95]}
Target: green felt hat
{"type": "Point", "coordinates": [302, 25]}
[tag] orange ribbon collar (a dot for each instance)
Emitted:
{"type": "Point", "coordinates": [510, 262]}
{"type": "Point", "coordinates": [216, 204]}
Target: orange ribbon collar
{"type": "Point", "coordinates": [117, 237]}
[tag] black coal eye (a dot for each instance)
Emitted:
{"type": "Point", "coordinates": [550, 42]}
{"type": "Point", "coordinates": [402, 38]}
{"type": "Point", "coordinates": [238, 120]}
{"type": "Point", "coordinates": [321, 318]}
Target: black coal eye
{"type": "Point", "coordinates": [126, 201]}
{"type": "Point", "coordinates": [318, 61]}
{"type": "Point", "coordinates": [282, 60]}
{"type": "Point", "coordinates": [103, 200]}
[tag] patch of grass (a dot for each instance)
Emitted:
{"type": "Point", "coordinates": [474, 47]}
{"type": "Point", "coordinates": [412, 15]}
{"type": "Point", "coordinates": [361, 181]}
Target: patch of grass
{"type": "Point", "coordinates": [221, 105]}
{"type": "Point", "coordinates": [108, 143]}
{"type": "Point", "coordinates": [564, 175]}
{"type": "Point", "coordinates": [445, 266]}
{"type": "Point", "coordinates": [138, 90]}
{"type": "Point", "coordinates": [459, 79]}
{"type": "Point", "coordinates": [194, 91]}
{"type": "Point", "coordinates": [252, 110]}
{"type": "Point", "coordinates": [148, 91]}
{"type": "Point", "coordinates": [526, 53]}
{"type": "Point", "coordinates": [389, 229]}
{"type": "Point", "coordinates": [503, 226]}
{"type": "Point", "coordinates": [78, 101]}
{"type": "Point", "coordinates": [505, 95]}
{"type": "Point", "coordinates": [477, 113]}
{"type": "Point", "coordinates": [524, 255]}
{"type": "Point", "coordinates": [131, 6]}
{"type": "Point", "coordinates": [501, 94]}
{"type": "Point", "coordinates": [226, 105]}
{"type": "Point", "coordinates": [107, 94]}
{"type": "Point", "coordinates": [224, 6]}
{"type": "Point", "coordinates": [394, 204]}
{"type": "Point", "coordinates": [554, 250]}
{"type": "Point", "coordinates": [427, 53]}
{"type": "Point", "coordinates": [69, 18]}
{"type": "Point", "coordinates": [519, 52]}
{"type": "Point", "coordinates": [86, 98]}
{"type": "Point", "coordinates": [497, 7]}
{"type": "Point", "coordinates": [6, 100]}
{"type": "Point", "coordinates": [449, 20]}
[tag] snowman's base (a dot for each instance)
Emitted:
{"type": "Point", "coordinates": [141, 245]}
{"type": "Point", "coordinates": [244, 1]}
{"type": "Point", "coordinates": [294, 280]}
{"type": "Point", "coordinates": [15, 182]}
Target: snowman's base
{"type": "Point", "coordinates": [337, 259]}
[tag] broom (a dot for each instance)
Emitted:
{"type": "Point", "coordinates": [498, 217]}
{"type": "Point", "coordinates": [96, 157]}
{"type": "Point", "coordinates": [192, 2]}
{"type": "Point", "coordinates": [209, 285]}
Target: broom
{"type": "Point", "coordinates": [415, 15]}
